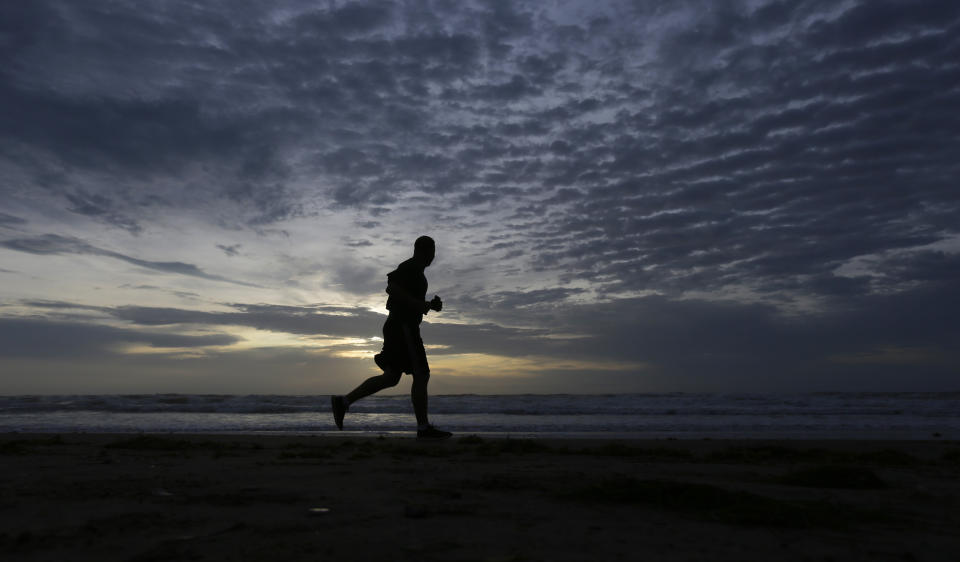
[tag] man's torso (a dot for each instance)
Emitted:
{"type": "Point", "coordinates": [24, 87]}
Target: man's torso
{"type": "Point", "coordinates": [409, 277]}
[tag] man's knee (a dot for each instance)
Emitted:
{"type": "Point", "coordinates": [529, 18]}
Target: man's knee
{"type": "Point", "coordinates": [391, 378]}
{"type": "Point", "coordinates": [421, 375]}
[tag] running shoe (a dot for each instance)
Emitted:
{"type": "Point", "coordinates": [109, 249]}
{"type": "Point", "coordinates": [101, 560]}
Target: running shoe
{"type": "Point", "coordinates": [433, 434]}
{"type": "Point", "coordinates": [339, 409]}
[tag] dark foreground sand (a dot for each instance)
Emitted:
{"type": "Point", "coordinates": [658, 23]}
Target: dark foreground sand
{"type": "Point", "coordinates": [228, 497]}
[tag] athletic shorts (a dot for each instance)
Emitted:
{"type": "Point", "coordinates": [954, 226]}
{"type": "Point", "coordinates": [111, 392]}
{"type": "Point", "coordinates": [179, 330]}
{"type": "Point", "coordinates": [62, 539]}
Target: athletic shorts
{"type": "Point", "coordinates": [402, 346]}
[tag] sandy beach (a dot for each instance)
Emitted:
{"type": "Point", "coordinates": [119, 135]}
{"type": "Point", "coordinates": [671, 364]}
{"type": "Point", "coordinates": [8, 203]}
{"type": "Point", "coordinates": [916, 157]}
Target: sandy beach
{"type": "Point", "coordinates": [240, 497]}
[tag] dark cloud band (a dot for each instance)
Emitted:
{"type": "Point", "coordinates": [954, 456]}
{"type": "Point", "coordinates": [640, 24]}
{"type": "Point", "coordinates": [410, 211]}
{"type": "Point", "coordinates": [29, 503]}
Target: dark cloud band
{"type": "Point", "coordinates": [54, 244]}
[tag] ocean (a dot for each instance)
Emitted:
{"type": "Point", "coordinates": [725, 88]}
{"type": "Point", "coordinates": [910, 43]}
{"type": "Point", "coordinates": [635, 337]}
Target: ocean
{"type": "Point", "coordinates": [908, 416]}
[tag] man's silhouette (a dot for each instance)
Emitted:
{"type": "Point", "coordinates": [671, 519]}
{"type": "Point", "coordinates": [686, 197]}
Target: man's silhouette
{"type": "Point", "coordinates": [402, 347]}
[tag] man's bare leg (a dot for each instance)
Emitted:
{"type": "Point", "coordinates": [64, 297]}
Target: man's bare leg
{"type": "Point", "coordinates": [339, 404]}
{"type": "Point", "coordinates": [418, 395]}
{"type": "Point", "coordinates": [373, 385]}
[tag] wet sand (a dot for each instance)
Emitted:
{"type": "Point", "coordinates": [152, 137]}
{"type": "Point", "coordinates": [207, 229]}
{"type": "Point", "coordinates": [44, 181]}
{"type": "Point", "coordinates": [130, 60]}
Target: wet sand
{"type": "Point", "coordinates": [241, 497]}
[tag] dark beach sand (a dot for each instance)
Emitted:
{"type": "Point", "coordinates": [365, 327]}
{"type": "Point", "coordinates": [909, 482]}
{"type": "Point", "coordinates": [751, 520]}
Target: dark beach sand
{"type": "Point", "coordinates": [239, 497]}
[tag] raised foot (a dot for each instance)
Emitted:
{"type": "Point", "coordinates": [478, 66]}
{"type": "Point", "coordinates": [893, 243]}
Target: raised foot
{"type": "Point", "coordinates": [339, 409]}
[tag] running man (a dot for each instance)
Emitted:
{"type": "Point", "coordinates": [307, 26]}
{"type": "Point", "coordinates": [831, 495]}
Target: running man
{"type": "Point", "coordinates": [402, 347]}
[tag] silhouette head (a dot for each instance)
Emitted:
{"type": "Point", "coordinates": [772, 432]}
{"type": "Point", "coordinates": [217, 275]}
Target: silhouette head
{"type": "Point", "coordinates": [424, 250]}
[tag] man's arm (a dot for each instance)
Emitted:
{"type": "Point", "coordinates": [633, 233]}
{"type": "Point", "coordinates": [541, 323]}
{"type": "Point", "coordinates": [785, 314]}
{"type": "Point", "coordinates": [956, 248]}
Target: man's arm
{"type": "Point", "coordinates": [396, 291]}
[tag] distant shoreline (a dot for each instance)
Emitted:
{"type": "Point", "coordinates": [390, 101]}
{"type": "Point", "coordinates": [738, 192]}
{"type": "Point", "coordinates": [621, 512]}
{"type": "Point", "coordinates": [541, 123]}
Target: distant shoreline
{"type": "Point", "coordinates": [904, 416]}
{"type": "Point", "coordinates": [594, 436]}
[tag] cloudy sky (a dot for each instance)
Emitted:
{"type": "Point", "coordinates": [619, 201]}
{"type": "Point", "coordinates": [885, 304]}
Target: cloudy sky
{"type": "Point", "coordinates": [646, 196]}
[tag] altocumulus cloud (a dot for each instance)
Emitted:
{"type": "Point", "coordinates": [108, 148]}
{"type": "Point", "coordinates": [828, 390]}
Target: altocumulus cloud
{"type": "Point", "coordinates": [771, 169]}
